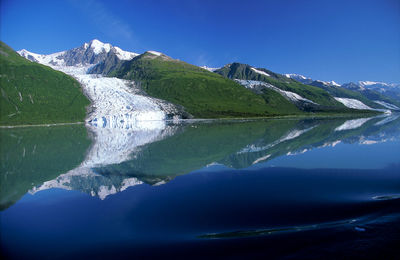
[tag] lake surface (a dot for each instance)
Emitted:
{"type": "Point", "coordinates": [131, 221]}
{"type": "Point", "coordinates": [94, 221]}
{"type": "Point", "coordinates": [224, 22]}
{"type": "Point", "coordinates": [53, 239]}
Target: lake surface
{"type": "Point", "coordinates": [279, 188]}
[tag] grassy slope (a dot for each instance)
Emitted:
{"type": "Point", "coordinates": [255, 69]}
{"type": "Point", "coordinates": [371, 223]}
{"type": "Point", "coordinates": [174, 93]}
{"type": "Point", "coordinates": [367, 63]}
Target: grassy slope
{"type": "Point", "coordinates": [46, 95]}
{"type": "Point", "coordinates": [204, 94]}
{"type": "Point", "coordinates": [243, 71]}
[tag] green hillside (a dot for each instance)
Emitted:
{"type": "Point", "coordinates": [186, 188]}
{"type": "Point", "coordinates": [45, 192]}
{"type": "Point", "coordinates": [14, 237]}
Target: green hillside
{"type": "Point", "coordinates": [246, 72]}
{"type": "Point", "coordinates": [35, 94]}
{"type": "Point", "coordinates": [203, 94]}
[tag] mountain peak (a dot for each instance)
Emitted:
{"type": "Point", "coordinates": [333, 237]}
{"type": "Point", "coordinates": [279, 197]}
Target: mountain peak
{"type": "Point", "coordinates": [98, 46]}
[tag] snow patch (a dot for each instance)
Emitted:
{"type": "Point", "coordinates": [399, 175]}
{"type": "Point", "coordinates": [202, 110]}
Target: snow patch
{"type": "Point", "coordinates": [353, 103]}
{"type": "Point", "coordinates": [296, 76]}
{"type": "Point", "coordinates": [155, 53]}
{"type": "Point", "coordinates": [260, 72]}
{"type": "Point", "coordinates": [291, 96]}
{"type": "Point", "coordinates": [209, 69]}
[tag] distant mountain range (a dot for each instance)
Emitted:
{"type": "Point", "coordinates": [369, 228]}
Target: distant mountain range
{"type": "Point", "coordinates": [375, 91]}
{"type": "Point", "coordinates": [125, 87]}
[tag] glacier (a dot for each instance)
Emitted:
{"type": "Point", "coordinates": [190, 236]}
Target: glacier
{"type": "Point", "coordinates": [115, 103]}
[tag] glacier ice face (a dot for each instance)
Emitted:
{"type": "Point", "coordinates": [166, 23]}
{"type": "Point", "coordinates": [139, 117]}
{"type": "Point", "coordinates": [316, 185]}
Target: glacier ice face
{"type": "Point", "coordinates": [116, 105]}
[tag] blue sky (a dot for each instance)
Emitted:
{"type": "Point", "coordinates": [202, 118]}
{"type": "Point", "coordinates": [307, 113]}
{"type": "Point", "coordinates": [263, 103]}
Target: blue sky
{"type": "Point", "coordinates": [328, 40]}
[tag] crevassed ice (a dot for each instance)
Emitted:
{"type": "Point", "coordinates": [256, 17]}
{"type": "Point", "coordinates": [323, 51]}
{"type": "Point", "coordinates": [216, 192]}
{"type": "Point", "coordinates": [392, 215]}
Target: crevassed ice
{"type": "Point", "coordinates": [115, 102]}
{"type": "Point", "coordinates": [116, 105]}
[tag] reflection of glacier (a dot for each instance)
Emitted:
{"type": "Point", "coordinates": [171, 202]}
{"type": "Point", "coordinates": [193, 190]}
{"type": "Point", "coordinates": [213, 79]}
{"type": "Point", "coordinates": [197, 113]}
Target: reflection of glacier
{"type": "Point", "coordinates": [110, 146]}
{"type": "Point", "coordinates": [121, 158]}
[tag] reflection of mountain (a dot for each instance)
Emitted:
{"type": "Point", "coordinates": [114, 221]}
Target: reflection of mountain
{"type": "Point", "coordinates": [31, 156]}
{"type": "Point", "coordinates": [310, 134]}
{"type": "Point", "coordinates": [110, 146]}
{"type": "Point", "coordinates": [120, 158]}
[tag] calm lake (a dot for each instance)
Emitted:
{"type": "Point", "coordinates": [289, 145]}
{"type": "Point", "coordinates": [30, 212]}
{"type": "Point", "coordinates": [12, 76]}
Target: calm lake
{"type": "Point", "coordinates": [279, 188]}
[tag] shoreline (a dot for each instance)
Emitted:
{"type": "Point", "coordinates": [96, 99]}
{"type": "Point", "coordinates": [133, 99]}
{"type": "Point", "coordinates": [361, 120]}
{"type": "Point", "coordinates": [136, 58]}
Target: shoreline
{"type": "Point", "coordinates": [345, 115]}
{"type": "Point", "coordinates": [40, 125]}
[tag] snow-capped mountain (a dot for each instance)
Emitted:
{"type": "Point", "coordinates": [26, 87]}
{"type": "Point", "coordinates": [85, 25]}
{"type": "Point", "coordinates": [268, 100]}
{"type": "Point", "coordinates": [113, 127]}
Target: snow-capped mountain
{"type": "Point", "coordinates": [299, 78]}
{"type": "Point", "coordinates": [377, 95]}
{"type": "Point", "coordinates": [309, 81]}
{"type": "Point", "coordinates": [89, 53]}
{"type": "Point", "coordinates": [391, 90]}
{"type": "Point", "coordinates": [116, 103]}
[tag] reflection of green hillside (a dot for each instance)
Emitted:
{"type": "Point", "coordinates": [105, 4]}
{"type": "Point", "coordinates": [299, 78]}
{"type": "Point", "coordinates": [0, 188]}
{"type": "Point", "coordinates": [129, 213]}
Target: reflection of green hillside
{"type": "Point", "coordinates": [31, 156]}
{"type": "Point", "coordinates": [323, 133]}
{"type": "Point", "coordinates": [197, 146]}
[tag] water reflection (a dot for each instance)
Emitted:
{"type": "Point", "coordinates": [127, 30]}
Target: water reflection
{"type": "Point", "coordinates": [104, 161]}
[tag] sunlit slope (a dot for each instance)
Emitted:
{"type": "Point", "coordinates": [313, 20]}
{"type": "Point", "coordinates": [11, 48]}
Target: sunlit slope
{"type": "Point", "coordinates": [203, 94]}
{"type": "Point", "coordinates": [35, 94]}
{"type": "Point", "coordinates": [246, 72]}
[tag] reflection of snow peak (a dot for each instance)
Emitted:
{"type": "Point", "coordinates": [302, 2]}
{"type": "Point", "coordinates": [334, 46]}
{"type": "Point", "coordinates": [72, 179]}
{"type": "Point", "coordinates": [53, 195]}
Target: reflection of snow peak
{"type": "Point", "coordinates": [110, 146]}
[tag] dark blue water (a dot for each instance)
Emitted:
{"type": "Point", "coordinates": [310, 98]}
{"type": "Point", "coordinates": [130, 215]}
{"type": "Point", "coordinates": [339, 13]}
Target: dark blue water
{"type": "Point", "coordinates": [301, 188]}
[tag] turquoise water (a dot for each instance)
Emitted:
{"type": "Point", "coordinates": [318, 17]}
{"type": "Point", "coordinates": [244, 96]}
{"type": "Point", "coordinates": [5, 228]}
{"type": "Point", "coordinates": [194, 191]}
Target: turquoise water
{"type": "Point", "coordinates": [283, 188]}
